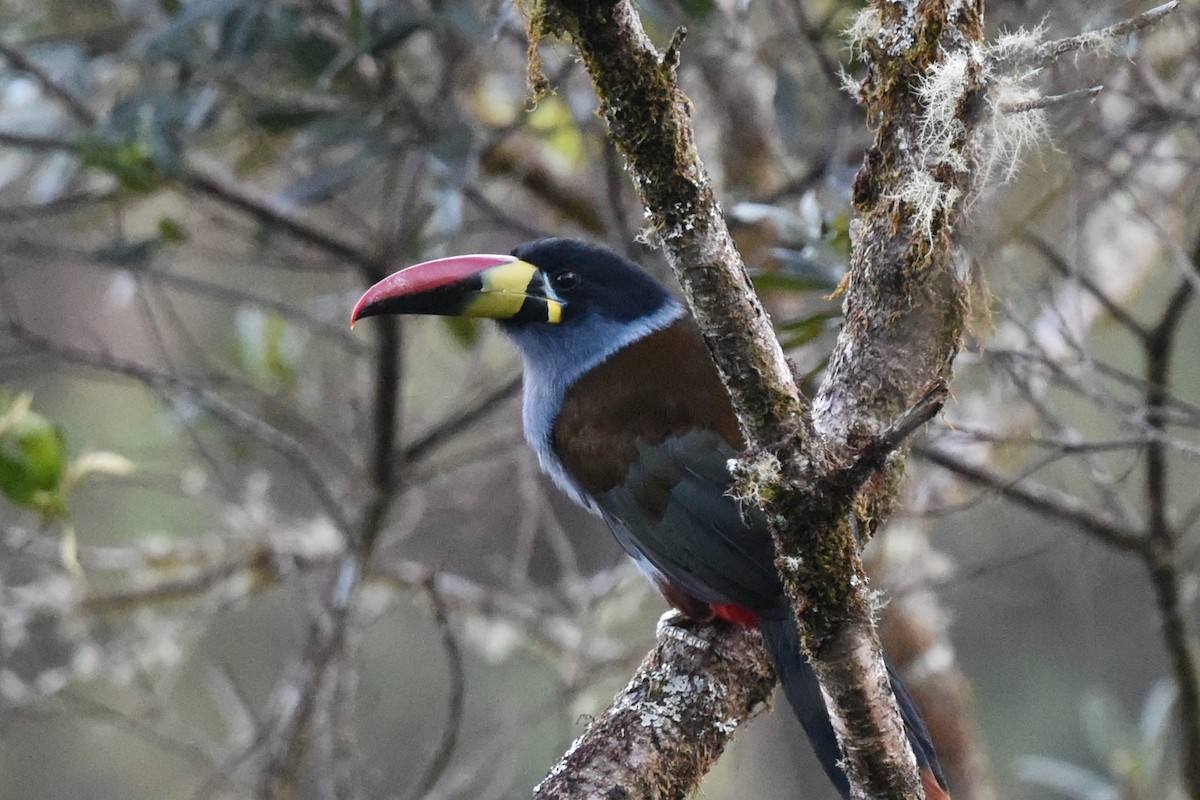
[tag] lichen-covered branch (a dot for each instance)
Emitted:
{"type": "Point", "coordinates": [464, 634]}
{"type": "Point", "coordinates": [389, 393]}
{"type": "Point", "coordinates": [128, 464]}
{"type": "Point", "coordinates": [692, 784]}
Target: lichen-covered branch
{"type": "Point", "coordinates": [665, 729]}
{"type": "Point", "coordinates": [904, 311]}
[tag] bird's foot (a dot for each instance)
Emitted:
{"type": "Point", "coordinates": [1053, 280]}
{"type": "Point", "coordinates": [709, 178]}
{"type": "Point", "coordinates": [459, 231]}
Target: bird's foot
{"type": "Point", "coordinates": [669, 626]}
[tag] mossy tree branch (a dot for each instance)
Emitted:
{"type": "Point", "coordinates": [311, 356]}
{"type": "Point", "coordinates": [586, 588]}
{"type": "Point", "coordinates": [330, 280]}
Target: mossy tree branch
{"type": "Point", "coordinates": [904, 315]}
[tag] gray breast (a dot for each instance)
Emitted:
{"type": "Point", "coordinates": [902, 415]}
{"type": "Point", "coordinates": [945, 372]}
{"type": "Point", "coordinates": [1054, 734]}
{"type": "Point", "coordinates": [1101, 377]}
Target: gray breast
{"type": "Point", "coordinates": [555, 357]}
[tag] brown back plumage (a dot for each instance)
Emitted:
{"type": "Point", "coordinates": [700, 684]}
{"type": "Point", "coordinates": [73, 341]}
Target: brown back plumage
{"type": "Point", "coordinates": [661, 385]}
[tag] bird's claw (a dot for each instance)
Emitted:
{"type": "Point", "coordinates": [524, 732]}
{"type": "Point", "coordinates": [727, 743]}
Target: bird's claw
{"type": "Point", "coordinates": [668, 627]}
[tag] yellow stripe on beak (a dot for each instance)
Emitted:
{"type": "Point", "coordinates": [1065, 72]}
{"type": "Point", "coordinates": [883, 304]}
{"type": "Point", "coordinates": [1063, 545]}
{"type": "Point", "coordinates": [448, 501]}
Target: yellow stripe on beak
{"type": "Point", "coordinates": [507, 289]}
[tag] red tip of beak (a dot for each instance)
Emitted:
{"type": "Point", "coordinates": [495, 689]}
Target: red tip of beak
{"type": "Point", "coordinates": [425, 276]}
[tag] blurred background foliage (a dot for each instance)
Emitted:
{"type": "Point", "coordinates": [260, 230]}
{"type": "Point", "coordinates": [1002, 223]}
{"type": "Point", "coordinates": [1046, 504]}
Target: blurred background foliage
{"type": "Point", "coordinates": [247, 552]}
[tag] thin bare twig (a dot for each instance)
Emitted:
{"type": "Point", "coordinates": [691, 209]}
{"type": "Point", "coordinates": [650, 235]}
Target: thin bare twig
{"type": "Point", "coordinates": [420, 447]}
{"type": "Point", "coordinates": [1043, 499]}
{"type": "Point", "coordinates": [444, 752]}
{"type": "Point", "coordinates": [266, 210]}
{"type": "Point", "coordinates": [1060, 265]}
{"type": "Point", "coordinates": [236, 195]}
{"type": "Point", "coordinates": [1062, 445]}
{"type": "Point", "coordinates": [142, 726]}
{"type": "Point", "coordinates": [880, 447]}
{"type": "Point", "coordinates": [1161, 556]}
{"type": "Point", "coordinates": [1051, 100]}
{"type": "Point", "coordinates": [1052, 51]}
{"type": "Point", "coordinates": [297, 695]}
{"type": "Point", "coordinates": [344, 755]}
{"type": "Point", "coordinates": [65, 204]}
{"type": "Point", "coordinates": [819, 35]}
{"type": "Point", "coordinates": [20, 61]}
{"type": "Point", "coordinates": [34, 141]}
{"type": "Point", "coordinates": [171, 591]}
{"type": "Point", "coordinates": [535, 620]}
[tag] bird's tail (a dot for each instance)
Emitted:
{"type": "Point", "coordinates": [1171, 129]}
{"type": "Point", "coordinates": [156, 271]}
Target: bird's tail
{"type": "Point", "coordinates": [804, 694]}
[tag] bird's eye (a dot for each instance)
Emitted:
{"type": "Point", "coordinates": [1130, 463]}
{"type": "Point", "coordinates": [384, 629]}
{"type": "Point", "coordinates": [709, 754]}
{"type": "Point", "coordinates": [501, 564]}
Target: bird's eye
{"type": "Point", "coordinates": [565, 281]}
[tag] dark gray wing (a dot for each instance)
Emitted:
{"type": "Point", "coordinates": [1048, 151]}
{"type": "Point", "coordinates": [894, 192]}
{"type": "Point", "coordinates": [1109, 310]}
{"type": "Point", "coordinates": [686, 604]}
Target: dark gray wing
{"type": "Point", "coordinates": [673, 511]}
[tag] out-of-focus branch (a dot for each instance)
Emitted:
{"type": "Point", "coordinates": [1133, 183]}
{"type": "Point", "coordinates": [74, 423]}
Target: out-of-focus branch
{"type": "Point", "coordinates": [258, 567]}
{"type": "Point", "coordinates": [1153, 541]}
{"type": "Point", "coordinates": [521, 157]}
{"type": "Point", "coordinates": [189, 285]}
{"type": "Point", "coordinates": [447, 429]}
{"type": "Point", "coordinates": [535, 620]}
{"type": "Point", "coordinates": [385, 429]}
{"type": "Point", "coordinates": [34, 141]}
{"type": "Point", "coordinates": [444, 750]}
{"type": "Point", "coordinates": [1051, 51]}
{"type": "Point", "coordinates": [66, 204]}
{"type": "Point", "coordinates": [1162, 555]}
{"type": "Point", "coordinates": [291, 449]}
{"type": "Point", "coordinates": [229, 192]}
{"type": "Point", "coordinates": [1045, 500]}
{"type": "Point", "coordinates": [1097, 292]}
{"type": "Point", "coordinates": [819, 34]}
{"type": "Point", "coordinates": [20, 61]}
{"type": "Point", "coordinates": [752, 153]}
{"type": "Point", "coordinates": [295, 701]}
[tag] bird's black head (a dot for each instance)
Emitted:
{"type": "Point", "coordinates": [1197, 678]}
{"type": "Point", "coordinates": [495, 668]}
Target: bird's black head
{"type": "Point", "coordinates": [589, 279]}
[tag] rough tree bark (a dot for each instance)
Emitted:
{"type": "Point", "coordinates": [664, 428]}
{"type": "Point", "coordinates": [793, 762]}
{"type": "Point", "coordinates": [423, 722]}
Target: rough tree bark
{"type": "Point", "coordinates": [665, 729]}
{"type": "Point", "coordinates": [823, 472]}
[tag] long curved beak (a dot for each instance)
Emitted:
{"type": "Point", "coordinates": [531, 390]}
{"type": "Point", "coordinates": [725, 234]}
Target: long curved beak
{"type": "Point", "coordinates": [490, 286]}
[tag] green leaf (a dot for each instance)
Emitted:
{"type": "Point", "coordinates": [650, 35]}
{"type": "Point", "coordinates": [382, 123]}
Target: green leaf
{"type": "Point", "coordinates": [44, 450]}
{"type": "Point", "coordinates": [463, 330]}
{"type": "Point", "coordinates": [803, 330]}
{"type": "Point", "coordinates": [838, 235]}
{"type": "Point", "coordinates": [131, 163]}
{"type": "Point", "coordinates": [172, 231]}
{"type": "Point", "coordinates": [33, 457]}
{"type": "Point", "coordinates": [698, 9]}
{"type": "Point", "coordinates": [553, 119]}
{"type": "Point", "coordinates": [312, 55]}
{"type": "Point", "coordinates": [282, 117]}
{"type": "Point", "coordinates": [356, 23]}
{"type": "Point", "coordinates": [268, 348]}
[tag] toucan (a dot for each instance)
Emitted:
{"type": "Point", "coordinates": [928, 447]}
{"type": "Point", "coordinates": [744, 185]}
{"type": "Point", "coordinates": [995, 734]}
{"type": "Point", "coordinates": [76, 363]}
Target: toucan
{"type": "Point", "coordinates": [627, 414]}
